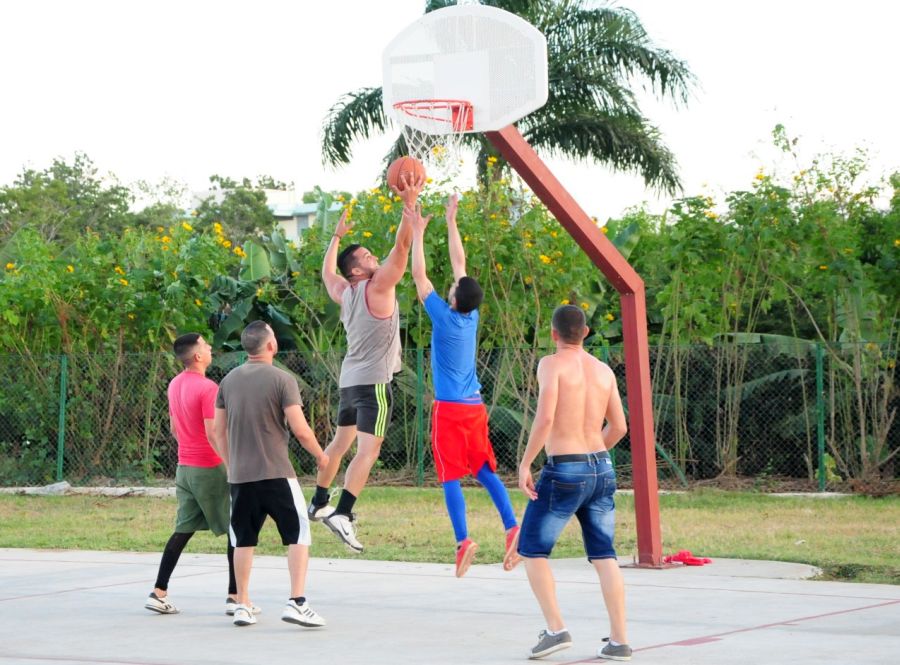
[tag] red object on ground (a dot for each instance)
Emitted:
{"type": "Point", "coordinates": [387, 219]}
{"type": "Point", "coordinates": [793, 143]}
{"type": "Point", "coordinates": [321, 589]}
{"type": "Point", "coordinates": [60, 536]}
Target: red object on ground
{"type": "Point", "coordinates": [688, 559]}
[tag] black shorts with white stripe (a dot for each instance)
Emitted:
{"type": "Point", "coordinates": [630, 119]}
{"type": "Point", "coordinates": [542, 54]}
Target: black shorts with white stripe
{"type": "Point", "coordinates": [280, 499]}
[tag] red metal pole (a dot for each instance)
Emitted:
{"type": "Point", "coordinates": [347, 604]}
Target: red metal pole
{"type": "Point", "coordinates": [520, 155]}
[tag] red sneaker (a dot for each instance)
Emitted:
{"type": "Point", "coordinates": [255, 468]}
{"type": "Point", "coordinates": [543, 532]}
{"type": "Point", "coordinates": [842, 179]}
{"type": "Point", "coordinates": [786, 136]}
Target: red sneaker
{"type": "Point", "coordinates": [465, 552]}
{"type": "Point", "coordinates": [512, 559]}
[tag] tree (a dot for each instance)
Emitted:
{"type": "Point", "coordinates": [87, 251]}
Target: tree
{"type": "Point", "coordinates": [596, 56]}
{"type": "Point", "coordinates": [63, 201]}
{"type": "Point", "coordinates": [240, 207]}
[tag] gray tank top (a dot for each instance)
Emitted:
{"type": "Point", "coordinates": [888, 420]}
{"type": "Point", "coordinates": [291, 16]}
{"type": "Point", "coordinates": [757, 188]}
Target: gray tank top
{"type": "Point", "coordinates": [373, 344]}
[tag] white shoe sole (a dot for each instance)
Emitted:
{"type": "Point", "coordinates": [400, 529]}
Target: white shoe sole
{"type": "Point", "coordinates": [300, 621]}
{"type": "Point", "coordinates": [553, 649]}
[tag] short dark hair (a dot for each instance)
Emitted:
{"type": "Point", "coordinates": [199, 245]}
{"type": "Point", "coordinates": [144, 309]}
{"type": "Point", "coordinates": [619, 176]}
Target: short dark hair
{"type": "Point", "coordinates": [255, 336]}
{"type": "Point", "coordinates": [346, 262]}
{"type": "Point", "coordinates": [569, 322]}
{"type": "Point", "coordinates": [184, 347]}
{"type": "Point", "coordinates": [468, 295]}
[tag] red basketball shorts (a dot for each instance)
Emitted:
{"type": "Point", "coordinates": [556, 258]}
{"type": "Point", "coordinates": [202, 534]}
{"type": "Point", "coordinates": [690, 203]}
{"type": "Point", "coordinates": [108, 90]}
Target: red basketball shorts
{"type": "Point", "coordinates": [459, 440]}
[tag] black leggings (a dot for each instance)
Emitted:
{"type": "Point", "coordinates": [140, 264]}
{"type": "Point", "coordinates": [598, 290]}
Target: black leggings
{"type": "Point", "coordinates": [171, 553]}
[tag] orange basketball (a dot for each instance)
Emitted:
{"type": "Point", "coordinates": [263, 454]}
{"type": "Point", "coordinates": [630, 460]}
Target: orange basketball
{"type": "Point", "coordinates": [411, 167]}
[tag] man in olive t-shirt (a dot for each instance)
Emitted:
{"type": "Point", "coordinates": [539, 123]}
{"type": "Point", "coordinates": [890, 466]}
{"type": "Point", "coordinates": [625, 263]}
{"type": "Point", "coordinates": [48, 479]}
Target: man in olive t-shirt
{"type": "Point", "coordinates": [256, 404]}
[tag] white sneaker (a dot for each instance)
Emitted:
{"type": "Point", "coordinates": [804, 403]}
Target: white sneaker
{"type": "Point", "coordinates": [231, 605]}
{"type": "Point", "coordinates": [317, 514]}
{"type": "Point", "coordinates": [160, 605]}
{"type": "Point", "coordinates": [302, 615]}
{"type": "Point", "coordinates": [243, 616]}
{"type": "Point", "coordinates": [342, 526]}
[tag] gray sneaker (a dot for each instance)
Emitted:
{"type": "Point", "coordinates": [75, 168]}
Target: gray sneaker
{"type": "Point", "coordinates": [548, 644]}
{"type": "Point", "coordinates": [617, 652]}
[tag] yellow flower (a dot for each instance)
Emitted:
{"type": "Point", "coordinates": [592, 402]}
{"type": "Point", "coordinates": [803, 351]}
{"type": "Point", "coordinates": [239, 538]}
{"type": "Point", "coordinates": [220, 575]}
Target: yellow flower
{"type": "Point", "coordinates": [545, 259]}
{"type": "Point", "coordinates": [392, 228]}
{"type": "Point", "coordinates": [123, 282]}
{"type": "Point", "coordinates": [605, 230]}
{"type": "Point", "coordinates": [499, 267]}
{"type": "Point", "coordinates": [174, 275]}
{"type": "Point", "coordinates": [240, 252]}
{"type": "Point", "coordinates": [491, 160]}
{"type": "Point", "coordinates": [226, 244]}
{"type": "Point", "coordinates": [528, 279]}
{"type": "Point", "coordinates": [584, 305]}
{"type": "Point", "coordinates": [131, 316]}
{"type": "Point", "coordinates": [564, 301]}
{"type": "Point", "coordinates": [119, 270]}
{"type": "Point", "coordinates": [388, 207]}
{"type": "Point", "coordinates": [897, 242]}
{"type": "Point", "coordinates": [710, 214]}
{"type": "Point", "coordinates": [465, 238]}
{"type": "Point", "coordinates": [165, 248]}
{"type": "Point", "coordinates": [553, 234]}
{"type": "Point", "coordinates": [198, 302]}
{"type": "Point", "coordinates": [295, 274]}
{"type": "Point", "coordinates": [159, 229]}
{"type": "Point", "coordinates": [381, 199]}
{"type": "Point", "coordinates": [529, 245]}
{"type": "Point", "coordinates": [10, 266]}
{"type": "Point", "coordinates": [258, 292]}
{"type": "Point", "coordinates": [374, 190]}
{"type": "Point", "coordinates": [760, 176]}
{"type": "Point", "coordinates": [217, 228]}
{"type": "Point", "coordinates": [610, 317]}
{"type": "Point", "coordinates": [339, 197]}
{"type": "Point", "coordinates": [194, 213]}
{"type": "Point", "coordinates": [848, 250]}
{"type": "Point", "coordinates": [428, 181]}
{"type": "Point", "coordinates": [493, 216]}
{"type": "Point", "coordinates": [70, 268]}
{"type": "Point", "coordinates": [165, 239]}
{"type": "Point", "coordinates": [823, 267]}
{"type": "Point", "coordinates": [367, 234]}
{"type": "Point", "coordinates": [186, 226]}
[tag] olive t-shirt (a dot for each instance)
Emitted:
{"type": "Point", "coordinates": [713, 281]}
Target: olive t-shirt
{"type": "Point", "coordinates": [254, 396]}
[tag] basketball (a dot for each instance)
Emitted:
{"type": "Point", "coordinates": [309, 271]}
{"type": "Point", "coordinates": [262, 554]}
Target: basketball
{"type": "Point", "coordinates": [411, 167]}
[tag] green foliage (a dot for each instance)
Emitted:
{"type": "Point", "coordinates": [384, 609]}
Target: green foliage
{"type": "Point", "coordinates": [240, 207]}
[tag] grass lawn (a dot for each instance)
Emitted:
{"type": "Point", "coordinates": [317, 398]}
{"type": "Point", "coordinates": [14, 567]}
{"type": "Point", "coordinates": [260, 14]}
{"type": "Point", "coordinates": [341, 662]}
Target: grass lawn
{"type": "Point", "coordinates": [850, 538]}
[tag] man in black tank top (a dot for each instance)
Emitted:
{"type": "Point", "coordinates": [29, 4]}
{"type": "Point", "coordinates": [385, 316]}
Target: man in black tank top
{"type": "Point", "coordinates": [366, 292]}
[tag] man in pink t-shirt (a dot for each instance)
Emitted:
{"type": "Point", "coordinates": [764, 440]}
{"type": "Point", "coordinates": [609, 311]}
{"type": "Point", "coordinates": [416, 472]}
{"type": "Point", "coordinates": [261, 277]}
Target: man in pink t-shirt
{"type": "Point", "coordinates": [201, 483]}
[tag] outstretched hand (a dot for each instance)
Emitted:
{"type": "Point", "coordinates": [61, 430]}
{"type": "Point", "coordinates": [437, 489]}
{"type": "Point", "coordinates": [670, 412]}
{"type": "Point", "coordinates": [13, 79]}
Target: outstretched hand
{"type": "Point", "coordinates": [452, 205]}
{"type": "Point", "coordinates": [344, 224]}
{"type": "Point", "coordinates": [412, 187]}
{"type": "Point", "coordinates": [420, 223]}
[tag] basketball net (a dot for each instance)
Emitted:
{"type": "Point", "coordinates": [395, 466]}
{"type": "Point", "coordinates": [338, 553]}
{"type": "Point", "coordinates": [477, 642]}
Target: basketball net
{"type": "Point", "coordinates": [433, 130]}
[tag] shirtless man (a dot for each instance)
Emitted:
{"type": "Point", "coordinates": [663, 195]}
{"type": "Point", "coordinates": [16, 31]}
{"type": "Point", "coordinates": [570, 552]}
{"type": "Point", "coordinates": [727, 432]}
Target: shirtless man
{"type": "Point", "coordinates": [577, 394]}
{"type": "Point", "coordinates": [366, 292]}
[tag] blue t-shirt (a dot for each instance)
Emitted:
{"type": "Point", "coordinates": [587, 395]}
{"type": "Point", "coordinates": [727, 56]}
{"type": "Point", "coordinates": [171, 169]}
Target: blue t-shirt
{"type": "Point", "coordinates": [453, 340]}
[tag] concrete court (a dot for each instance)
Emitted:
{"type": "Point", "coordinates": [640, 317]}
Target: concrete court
{"type": "Point", "coordinates": [87, 607]}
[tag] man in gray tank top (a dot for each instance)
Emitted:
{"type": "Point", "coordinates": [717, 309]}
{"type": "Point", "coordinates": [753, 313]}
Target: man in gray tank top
{"type": "Point", "coordinates": [366, 292]}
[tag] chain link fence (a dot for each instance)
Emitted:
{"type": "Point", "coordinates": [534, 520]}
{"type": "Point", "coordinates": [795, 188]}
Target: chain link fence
{"type": "Point", "coordinates": [811, 414]}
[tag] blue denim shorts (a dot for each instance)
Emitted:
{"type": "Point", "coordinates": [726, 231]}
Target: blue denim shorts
{"type": "Point", "coordinates": [579, 485]}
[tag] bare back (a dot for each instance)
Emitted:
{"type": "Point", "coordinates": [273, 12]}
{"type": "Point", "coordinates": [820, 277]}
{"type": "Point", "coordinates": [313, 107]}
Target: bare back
{"type": "Point", "coordinates": [586, 395]}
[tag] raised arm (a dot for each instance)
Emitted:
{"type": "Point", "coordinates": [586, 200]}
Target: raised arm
{"type": "Point", "coordinates": [548, 392]}
{"type": "Point", "coordinates": [335, 283]}
{"type": "Point", "coordinates": [296, 420]}
{"type": "Point", "coordinates": [454, 241]}
{"type": "Point", "coordinates": [420, 276]}
{"type": "Point", "coordinates": [391, 271]}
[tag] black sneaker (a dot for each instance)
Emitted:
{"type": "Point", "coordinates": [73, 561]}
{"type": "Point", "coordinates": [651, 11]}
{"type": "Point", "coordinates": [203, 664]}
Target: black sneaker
{"type": "Point", "coordinates": [617, 652]}
{"type": "Point", "coordinates": [548, 644]}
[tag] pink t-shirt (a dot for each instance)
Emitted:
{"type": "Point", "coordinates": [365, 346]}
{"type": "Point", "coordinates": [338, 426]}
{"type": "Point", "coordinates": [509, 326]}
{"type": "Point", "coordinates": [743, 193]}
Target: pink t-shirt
{"type": "Point", "coordinates": [192, 398]}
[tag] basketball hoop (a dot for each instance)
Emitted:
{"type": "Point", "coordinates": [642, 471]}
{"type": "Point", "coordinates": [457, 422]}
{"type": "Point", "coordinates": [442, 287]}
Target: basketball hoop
{"type": "Point", "coordinates": [433, 130]}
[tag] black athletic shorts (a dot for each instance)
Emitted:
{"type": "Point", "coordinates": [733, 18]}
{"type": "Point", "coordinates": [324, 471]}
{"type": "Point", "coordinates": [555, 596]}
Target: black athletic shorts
{"type": "Point", "coordinates": [279, 498]}
{"type": "Point", "coordinates": [368, 407]}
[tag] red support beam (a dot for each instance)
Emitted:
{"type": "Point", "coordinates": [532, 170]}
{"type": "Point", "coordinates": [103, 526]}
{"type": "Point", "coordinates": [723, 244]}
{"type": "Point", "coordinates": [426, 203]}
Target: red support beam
{"type": "Point", "coordinates": [520, 155]}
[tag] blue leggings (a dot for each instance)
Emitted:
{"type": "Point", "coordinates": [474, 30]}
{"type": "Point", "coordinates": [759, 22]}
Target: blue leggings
{"type": "Point", "coordinates": [456, 502]}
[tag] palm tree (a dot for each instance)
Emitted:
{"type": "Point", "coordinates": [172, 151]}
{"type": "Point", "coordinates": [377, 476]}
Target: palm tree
{"type": "Point", "coordinates": [595, 55]}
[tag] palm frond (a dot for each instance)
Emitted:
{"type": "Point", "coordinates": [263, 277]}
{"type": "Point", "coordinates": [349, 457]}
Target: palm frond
{"type": "Point", "coordinates": [356, 115]}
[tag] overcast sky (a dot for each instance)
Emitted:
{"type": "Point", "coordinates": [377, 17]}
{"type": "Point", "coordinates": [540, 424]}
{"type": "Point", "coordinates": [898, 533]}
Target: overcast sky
{"type": "Point", "coordinates": [190, 88]}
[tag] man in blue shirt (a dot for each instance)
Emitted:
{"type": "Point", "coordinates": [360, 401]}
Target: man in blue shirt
{"type": "Point", "coordinates": [459, 420]}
